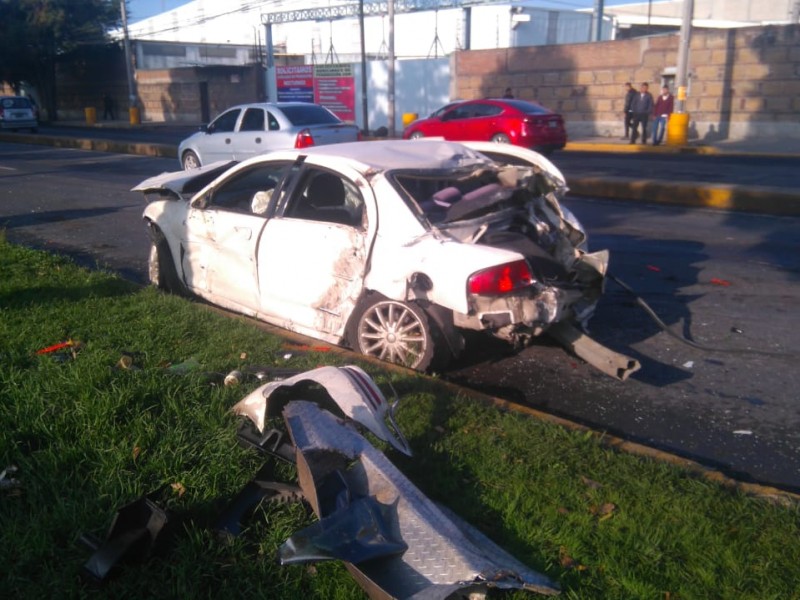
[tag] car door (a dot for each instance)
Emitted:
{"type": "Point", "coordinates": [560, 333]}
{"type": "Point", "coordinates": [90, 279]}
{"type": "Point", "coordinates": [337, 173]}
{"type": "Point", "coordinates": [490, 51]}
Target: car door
{"type": "Point", "coordinates": [485, 122]}
{"type": "Point", "coordinates": [313, 255]}
{"type": "Point", "coordinates": [224, 229]}
{"type": "Point", "coordinates": [217, 144]}
{"type": "Point", "coordinates": [453, 122]}
{"type": "Point", "coordinates": [249, 137]}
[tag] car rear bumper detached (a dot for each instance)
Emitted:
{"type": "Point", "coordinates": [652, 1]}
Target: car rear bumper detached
{"type": "Point", "coordinates": [517, 318]}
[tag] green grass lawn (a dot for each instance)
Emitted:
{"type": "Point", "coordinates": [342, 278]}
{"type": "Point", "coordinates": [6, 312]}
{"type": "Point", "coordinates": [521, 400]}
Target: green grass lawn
{"type": "Point", "coordinates": [88, 437]}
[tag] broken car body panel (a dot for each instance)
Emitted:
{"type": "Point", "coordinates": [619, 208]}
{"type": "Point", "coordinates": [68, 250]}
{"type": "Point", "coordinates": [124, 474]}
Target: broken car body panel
{"type": "Point", "coordinates": [349, 387]}
{"type": "Point", "coordinates": [443, 554]}
{"type": "Point", "coordinates": [409, 221]}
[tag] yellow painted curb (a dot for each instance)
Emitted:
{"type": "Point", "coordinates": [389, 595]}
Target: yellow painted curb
{"type": "Point", "coordinates": [751, 199]}
{"type": "Point", "coordinates": [625, 148]}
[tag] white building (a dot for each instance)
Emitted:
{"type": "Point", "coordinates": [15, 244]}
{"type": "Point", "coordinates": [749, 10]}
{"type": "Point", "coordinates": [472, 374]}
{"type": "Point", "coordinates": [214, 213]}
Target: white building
{"type": "Point", "coordinates": [473, 24]}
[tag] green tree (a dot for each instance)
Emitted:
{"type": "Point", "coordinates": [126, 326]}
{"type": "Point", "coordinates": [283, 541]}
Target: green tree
{"type": "Point", "coordinates": [36, 34]}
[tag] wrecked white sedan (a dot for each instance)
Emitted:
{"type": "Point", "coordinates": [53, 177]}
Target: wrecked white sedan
{"type": "Point", "coordinates": [392, 248]}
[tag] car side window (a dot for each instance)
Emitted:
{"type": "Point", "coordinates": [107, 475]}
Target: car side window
{"type": "Point", "coordinates": [250, 191]}
{"type": "Point", "coordinates": [458, 112]}
{"type": "Point", "coordinates": [327, 197]}
{"type": "Point", "coordinates": [486, 110]}
{"type": "Point", "coordinates": [272, 122]}
{"type": "Point", "coordinates": [226, 122]}
{"type": "Point", "coordinates": [253, 120]}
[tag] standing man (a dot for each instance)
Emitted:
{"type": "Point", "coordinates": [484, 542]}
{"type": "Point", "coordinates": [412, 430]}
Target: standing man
{"type": "Point", "coordinates": [661, 112]}
{"type": "Point", "coordinates": [642, 108]}
{"type": "Point", "coordinates": [627, 114]}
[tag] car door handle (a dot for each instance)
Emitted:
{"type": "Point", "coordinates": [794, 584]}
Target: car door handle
{"type": "Point", "coordinates": [227, 140]}
{"type": "Point", "coordinates": [243, 232]}
{"type": "Point", "coordinates": [258, 140]}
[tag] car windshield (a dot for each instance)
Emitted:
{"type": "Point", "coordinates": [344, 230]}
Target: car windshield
{"type": "Point", "coordinates": [310, 114]}
{"type": "Point", "coordinates": [528, 107]}
{"type": "Point", "coordinates": [16, 102]}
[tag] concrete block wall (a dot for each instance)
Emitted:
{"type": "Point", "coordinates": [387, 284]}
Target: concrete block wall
{"type": "Point", "coordinates": [744, 83]}
{"type": "Point", "coordinates": [174, 95]}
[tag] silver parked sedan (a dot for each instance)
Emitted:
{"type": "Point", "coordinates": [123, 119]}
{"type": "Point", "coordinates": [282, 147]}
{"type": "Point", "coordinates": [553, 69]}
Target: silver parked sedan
{"type": "Point", "coordinates": [394, 248]}
{"type": "Point", "coordinates": [246, 130]}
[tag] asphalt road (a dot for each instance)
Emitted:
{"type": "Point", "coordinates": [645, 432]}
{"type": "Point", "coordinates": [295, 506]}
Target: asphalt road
{"type": "Point", "coordinates": [726, 280]}
{"type": "Point", "coordinates": [740, 169]}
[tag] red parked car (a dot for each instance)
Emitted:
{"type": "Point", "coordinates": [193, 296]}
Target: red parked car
{"type": "Point", "coordinates": [507, 121]}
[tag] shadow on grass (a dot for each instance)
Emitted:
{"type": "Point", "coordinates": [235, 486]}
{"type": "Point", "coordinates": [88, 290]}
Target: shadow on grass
{"type": "Point", "coordinates": [38, 296]}
{"type": "Point", "coordinates": [452, 483]}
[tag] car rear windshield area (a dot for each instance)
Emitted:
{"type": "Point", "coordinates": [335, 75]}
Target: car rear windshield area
{"type": "Point", "coordinates": [15, 102]}
{"type": "Point", "coordinates": [528, 107]}
{"type": "Point", "coordinates": [309, 115]}
{"type": "Point", "coordinates": [449, 197]}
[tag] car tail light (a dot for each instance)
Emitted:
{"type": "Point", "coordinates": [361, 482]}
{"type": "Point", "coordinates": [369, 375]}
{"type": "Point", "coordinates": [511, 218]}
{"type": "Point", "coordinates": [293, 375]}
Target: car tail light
{"type": "Point", "coordinates": [304, 139]}
{"type": "Point", "coordinates": [501, 279]}
{"type": "Point", "coordinates": [360, 137]}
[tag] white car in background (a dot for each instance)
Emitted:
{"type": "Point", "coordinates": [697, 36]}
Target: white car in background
{"type": "Point", "coordinates": [17, 112]}
{"type": "Point", "coordinates": [393, 248]}
{"type": "Point", "coordinates": [244, 131]}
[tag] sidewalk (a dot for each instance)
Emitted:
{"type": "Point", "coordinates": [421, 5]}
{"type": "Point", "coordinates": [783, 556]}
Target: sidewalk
{"type": "Point", "coordinates": [758, 147]}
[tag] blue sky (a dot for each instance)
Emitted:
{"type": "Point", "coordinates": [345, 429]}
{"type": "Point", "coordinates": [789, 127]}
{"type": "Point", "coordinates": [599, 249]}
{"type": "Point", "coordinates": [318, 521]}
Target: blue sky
{"type": "Point", "coordinates": [141, 9]}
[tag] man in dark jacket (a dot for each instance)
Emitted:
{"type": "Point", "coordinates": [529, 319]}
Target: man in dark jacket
{"type": "Point", "coordinates": [630, 93]}
{"type": "Point", "coordinates": [642, 108]}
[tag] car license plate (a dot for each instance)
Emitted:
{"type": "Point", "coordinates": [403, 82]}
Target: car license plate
{"type": "Point", "coordinates": [552, 124]}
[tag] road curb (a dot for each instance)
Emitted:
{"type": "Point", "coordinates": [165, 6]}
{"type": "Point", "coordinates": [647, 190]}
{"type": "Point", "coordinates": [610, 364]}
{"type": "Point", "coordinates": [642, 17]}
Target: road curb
{"type": "Point", "coordinates": [98, 145]}
{"type": "Point", "coordinates": [749, 199]}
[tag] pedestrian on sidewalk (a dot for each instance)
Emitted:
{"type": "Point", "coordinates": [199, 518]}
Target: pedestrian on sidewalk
{"type": "Point", "coordinates": [642, 108]}
{"type": "Point", "coordinates": [508, 93]}
{"type": "Point", "coordinates": [627, 113]}
{"type": "Point", "coordinates": [661, 112]}
{"type": "Point", "coordinates": [108, 107]}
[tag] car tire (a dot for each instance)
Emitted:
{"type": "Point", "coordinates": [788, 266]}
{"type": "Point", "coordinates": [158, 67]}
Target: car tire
{"type": "Point", "coordinates": [397, 332]}
{"type": "Point", "coordinates": [416, 135]}
{"type": "Point", "coordinates": [190, 160]}
{"type": "Point", "coordinates": [501, 138]}
{"type": "Point", "coordinates": [160, 267]}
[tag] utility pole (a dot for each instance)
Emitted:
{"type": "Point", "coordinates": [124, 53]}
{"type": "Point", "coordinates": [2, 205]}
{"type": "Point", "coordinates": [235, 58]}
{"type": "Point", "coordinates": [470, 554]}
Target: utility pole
{"type": "Point", "coordinates": [598, 24]}
{"type": "Point", "coordinates": [364, 105]}
{"type": "Point", "coordinates": [390, 111]}
{"type": "Point", "coordinates": [133, 111]}
{"type": "Point", "coordinates": [683, 54]}
{"type": "Point", "coordinates": [678, 126]}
